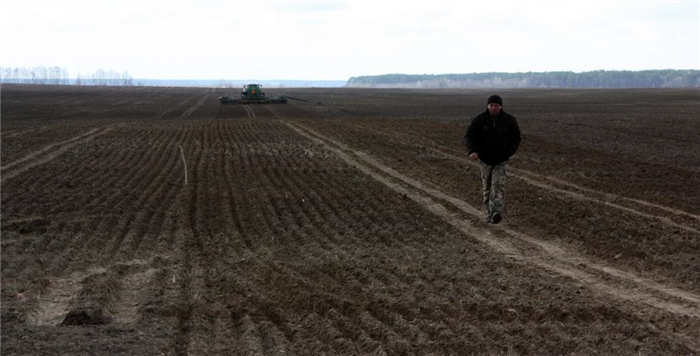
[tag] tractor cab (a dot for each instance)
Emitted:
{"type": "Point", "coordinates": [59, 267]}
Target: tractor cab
{"type": "Point", "coordinates": [252, 92]}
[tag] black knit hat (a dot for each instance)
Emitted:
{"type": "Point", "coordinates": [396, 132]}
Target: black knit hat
{"type": "Point", "coordinates": [495, 99]}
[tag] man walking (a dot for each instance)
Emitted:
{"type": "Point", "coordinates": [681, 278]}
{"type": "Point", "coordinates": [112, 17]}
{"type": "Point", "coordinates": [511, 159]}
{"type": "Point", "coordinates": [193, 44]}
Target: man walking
{"type": "Point", "coordinates": [492, 138]}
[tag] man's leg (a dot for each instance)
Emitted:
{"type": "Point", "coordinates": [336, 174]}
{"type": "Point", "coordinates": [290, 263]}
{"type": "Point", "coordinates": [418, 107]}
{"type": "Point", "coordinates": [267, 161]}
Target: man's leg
{"type": "Point", "coordinates": [498, 186]}
{"type": "Point", "coordinates": [486, 176]}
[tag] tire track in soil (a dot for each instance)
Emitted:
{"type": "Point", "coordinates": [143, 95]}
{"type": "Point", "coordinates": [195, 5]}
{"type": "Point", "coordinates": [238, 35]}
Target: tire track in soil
{"type": "Point", "coordinates": [173, 107]}
{"type": "Point", "coordinates": [591, 195]}
{"type": "Point", "coordinates": [604, 198]}
{"type": "Point", "coordinates": [274, 112]}
{"type": "Point", "coordinates": [582, 197]}
{"type": "Point", "coordinates": [47, 153]}
{"type": "Point", "coordinates": [24, 192]}
{"type": "Point", "coordinates": [193, 108]}
{"type": "Point", "coordinates": [545, 254]}
{"type": "Point", "coordinates": [19, 132]}
{"type": "Point", "coordinates": [83, 175]}
{"type": "Point", "coordinates": [556, 263]}
{"type": "Point", "coordinates": [250, 112]}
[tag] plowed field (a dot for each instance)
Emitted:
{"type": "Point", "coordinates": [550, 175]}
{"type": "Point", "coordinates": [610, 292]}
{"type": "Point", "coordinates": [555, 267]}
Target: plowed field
{"type": "Point", "coordinates": [154, 221]}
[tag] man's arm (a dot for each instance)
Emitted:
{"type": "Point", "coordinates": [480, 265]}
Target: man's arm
{"type": "Point", "coordinates": [514, 140]}
{"type": "Point", "coordinates": [471, 137]}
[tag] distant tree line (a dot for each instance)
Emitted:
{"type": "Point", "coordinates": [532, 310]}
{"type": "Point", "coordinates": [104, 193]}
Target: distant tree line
{"type": "Point", "coordinates": [42, 75]}
{"type": "Point", "coordinates": [666, 78]}
{"type": "Point", "coordinates": [36, 75]}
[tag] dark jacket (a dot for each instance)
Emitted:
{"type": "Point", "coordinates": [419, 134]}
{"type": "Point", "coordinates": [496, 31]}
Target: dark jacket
{"type": "Point", "coordinates": [493, 140]}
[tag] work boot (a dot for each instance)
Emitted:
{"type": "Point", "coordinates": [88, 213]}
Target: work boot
{"type": "Point", "coordinates": [496, 218]}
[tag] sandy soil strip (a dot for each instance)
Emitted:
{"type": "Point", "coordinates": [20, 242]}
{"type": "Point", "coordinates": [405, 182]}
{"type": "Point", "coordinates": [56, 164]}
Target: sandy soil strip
{"type": "Point", "coordinates": [55, 304]}
{"type": "Point", "coordinates": [126, 308]}
{"type": "Point", "coordinates": [546, 255]}
{"type": "Point", "coordinates": [50, 152]}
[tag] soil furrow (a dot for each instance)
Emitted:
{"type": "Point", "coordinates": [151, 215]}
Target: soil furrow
{"type": "Point", "coordinates": [47, 154]}
{"type": "Point", "coordinates": [522, 176]}
{"type": "Point", "coordinates": [598, 196]}
{"type": "Point", "coordinates": [559, 262]}
{"type": "Point", "coordinates": [154, 183]}
{"type": "Point", "coordinates": [235, 179]}
{"type": "Point", "coordinates": [188, 246]}
{"type": "Point", "coordinates": [660, 247]}
{"type": "Point", "coordinates": [350, 227]}
{"type": "Point", "coordinates": [158, 203]}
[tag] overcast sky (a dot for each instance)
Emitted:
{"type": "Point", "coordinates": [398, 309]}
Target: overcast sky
{"type": "Point", "coordinates": [338, 40]}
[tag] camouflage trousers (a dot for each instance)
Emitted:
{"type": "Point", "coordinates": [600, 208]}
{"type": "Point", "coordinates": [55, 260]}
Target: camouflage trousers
{"type": "Point", "coordinates": [493, 179]}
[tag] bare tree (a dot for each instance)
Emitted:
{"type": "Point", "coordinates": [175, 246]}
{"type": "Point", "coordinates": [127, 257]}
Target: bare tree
{"type": "Point", "coordinates": [99, 78]}
{"type": "Point", "coordinates": [60, 76]}
{"type": "Point", "coordinates": [127, 80]}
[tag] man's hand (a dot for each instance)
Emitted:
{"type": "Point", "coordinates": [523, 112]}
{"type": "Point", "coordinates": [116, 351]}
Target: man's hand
{"type": "Point", "coordinates": [474, 156]}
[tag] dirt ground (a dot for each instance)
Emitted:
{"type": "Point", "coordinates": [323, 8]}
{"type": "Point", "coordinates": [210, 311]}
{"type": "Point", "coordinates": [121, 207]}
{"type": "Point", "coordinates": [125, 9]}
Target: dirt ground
{"type": "Point", "coordinates": [155, 221]}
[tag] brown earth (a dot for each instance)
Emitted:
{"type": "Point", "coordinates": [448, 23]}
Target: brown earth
{"type": "Point", "coordinates": [348, 224]}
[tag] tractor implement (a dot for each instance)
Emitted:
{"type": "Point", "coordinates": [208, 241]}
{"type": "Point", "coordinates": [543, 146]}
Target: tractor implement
{"type": "Point", "coordinates": [252, 94]}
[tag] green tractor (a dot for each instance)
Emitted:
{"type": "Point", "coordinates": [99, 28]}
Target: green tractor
{"type": "Point", "coordinates": [252, 94]}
